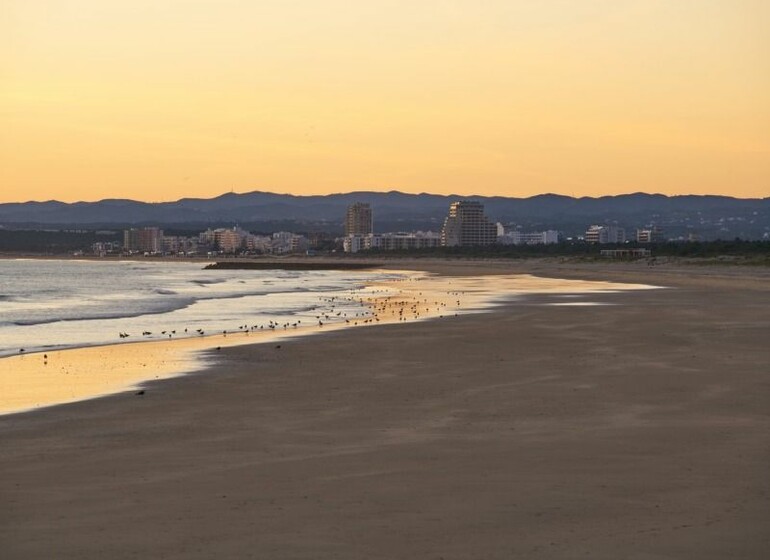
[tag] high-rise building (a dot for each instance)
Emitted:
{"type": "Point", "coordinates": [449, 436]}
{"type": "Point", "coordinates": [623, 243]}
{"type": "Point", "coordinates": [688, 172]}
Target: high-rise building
{"type": "Point", "coordinates": [146, 240]}
{"type": "Point", "coordinates": [358, 220]}
{"type": "Point", "coordinates": [467, 225]}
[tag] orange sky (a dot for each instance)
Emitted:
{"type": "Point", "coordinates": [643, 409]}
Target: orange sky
{"type": "Point", "coordinates": [160, 99]}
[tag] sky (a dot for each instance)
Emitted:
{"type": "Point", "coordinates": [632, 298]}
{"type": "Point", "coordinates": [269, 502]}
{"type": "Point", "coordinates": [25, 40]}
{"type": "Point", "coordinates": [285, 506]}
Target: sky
{"type": "Point", "coordinates": [161, 99]}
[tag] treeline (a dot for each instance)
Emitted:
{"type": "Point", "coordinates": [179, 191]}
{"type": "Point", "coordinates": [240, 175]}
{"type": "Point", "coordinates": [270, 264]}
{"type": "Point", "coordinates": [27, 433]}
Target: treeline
{"type": "Point", "coordinates": [705, 249]}
{"type": "Point", "coordinates": [712, 249]}
{"type": "Point", "coordinates": [48, 242]}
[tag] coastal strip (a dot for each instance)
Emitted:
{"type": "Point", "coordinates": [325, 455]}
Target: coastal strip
{"type": "Point", "coordinates": [632, 430]}
{"type": "Point", "coordinates": [34, 380]}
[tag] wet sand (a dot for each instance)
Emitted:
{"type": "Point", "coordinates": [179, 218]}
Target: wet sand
{"type": "Point", "coordinates": [34, 380]}
{"type": "Point", "coordinates": [639, 429]}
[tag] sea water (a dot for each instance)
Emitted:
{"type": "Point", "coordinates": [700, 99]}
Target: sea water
{"type": "Point", "coordinates": [54, 304]}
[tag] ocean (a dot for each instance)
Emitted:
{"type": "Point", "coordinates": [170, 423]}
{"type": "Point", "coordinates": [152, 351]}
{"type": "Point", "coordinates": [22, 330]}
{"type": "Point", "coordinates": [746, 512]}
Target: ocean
{"type": "Point", "coordinates": [54, 304]}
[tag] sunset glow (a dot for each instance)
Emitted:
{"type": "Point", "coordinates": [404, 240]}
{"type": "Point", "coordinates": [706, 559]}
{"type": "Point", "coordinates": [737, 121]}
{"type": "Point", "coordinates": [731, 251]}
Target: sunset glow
{"type": "Point", "coordinates": [158, 100]}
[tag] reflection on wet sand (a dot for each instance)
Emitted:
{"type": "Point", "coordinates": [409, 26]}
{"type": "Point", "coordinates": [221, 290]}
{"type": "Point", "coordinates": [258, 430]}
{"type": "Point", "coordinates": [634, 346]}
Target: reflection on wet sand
{"type": "Point", "coordinates": [34, 380]}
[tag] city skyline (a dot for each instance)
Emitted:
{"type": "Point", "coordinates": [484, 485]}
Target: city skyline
{"type": "Point", "coordinates": [157, 101]}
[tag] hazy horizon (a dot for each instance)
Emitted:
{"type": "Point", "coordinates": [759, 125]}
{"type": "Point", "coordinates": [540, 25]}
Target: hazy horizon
{"type": "Point", "coordinates": [398, 191]}
{"type": "Point", "coordinates": [158, 100]}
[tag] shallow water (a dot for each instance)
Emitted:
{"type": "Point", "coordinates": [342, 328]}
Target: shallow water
{"type": "Point", "coordinates": [326, 301]}
{"type": "Point", "coordinates": [54, 304]}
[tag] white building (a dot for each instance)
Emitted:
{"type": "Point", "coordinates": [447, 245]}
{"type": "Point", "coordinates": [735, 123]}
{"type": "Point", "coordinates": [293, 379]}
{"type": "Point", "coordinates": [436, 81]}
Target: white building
{"type": "Point", "coordinates": [398, 241]}
{"type": "Point", "coordinates": [605, 234]}
{"type": "Point", "coordinates": [178, 245]}
{"type": "Point", "coordinates": [356, 243]}
{"type": "Point", "coordinates": [535, 238]}
{"type": "Point", "coordinates": [103, 248]}
{"type": "Point", "coordinates": [287, 242]}
{"type": "Point", "coordinates": [649, 235]}
{"type": "Point", "coordinates": [258, 243]}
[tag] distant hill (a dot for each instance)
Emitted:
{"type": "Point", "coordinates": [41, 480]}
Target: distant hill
{"type": "Point", "coordinates": [709, 216]}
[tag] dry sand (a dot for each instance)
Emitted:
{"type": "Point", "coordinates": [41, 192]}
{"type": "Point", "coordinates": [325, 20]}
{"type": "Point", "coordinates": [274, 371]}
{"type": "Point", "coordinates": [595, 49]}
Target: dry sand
{"type": "Point", "coordinates": [634, 430]}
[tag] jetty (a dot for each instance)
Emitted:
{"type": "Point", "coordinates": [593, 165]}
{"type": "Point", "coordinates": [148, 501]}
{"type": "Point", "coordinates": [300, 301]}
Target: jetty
{"type": "Point", "coordinates": [275, 264]}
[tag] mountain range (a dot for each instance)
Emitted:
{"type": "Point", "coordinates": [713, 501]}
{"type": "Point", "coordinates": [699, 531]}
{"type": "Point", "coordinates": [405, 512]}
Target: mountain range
{"type": "Point", "coordinates": [706, 215]}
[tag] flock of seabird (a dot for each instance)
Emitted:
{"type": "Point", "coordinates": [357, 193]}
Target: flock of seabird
{"type": "Point", "coordinates": [373, 308]}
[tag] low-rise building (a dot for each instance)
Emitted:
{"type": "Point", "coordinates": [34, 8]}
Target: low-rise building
{"type": "Point", "coordinates": [288, 242]}
{"type": "Point", "coordinates": [225, 240]}
{"type": "Point", "coordinates": [356, 243]}
{"type": "Point", "coordinates": [534, 238]}
{"type": "Point", "coordinates": [104, 248]}
{"type": "Point", "coordinates": [179, 245]}
{"type": "Point", "coordinates": [404, 241]}
{"type": "Point", "coordinates": [397, 241]}
{"type": "Point", "coordinates": [649, 235]}
{"type": "Point", "coordinates": [228, 240]}
{"type": "Point", "coordinates": [626, 253]}
{"type": "Point", "coordinates": [605, 234]}
{"type": "Point", "coordinates": [258, 243]}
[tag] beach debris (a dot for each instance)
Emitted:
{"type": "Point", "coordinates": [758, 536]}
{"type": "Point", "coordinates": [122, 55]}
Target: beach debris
{"type": "Point", "coordinates": [139, 393]}
{"type": "Point", "coordinates": [277, 346]}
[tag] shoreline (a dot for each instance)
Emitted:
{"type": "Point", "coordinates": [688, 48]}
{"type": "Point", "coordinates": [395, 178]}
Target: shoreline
{"type": "Point", "coordinates": [384, 260]}
{"type": "Point", "coordinates": [634, 430]}
{"type": "Point", "coordinates": [31, 382]}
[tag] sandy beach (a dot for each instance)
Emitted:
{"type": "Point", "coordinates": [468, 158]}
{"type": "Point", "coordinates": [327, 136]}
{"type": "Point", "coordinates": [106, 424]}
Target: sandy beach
{"type": "Point", "coordinates": [636, 429]}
